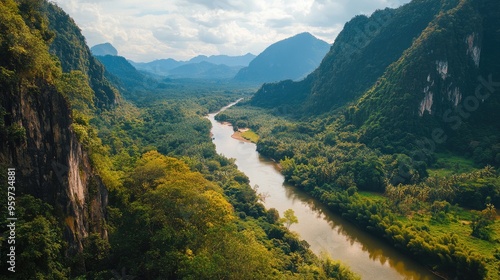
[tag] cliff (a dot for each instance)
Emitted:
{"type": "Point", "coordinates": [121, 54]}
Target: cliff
{"type": "Point", "coordinates": [51, 164]}
{"type": "Point", "coordinates": [36, 132]}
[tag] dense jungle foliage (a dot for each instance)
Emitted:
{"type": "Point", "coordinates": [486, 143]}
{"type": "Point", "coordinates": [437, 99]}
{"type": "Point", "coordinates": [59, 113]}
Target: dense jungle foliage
{"type": "Point", "coordinates": [176, 210]}
{"type": "Point", "coordinates": [408, 149]}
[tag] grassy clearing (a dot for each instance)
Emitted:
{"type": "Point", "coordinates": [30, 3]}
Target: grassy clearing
{"type": "Point", "coordinates": [448, 164]}
{"type": "Point", "coordinates": [372, 196]}
{"type": "Point", "coordinates": [463, 230]}
{"type": "Point", "coordinates": [250, 135]}
{"type": "Point", "coordinates": [458, 222]}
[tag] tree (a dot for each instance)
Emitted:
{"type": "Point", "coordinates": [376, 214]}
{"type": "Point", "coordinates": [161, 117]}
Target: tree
{"type": "Point", "coordinates": [273, 215]}
{"type": "Point", "coordinates": [481, 222]}
{"type": "Point", "coordinates": [289, 218]}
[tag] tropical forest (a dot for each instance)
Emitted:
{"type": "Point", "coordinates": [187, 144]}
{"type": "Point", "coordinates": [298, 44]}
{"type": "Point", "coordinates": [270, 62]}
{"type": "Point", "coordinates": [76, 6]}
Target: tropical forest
{"type": "Point", "coordinates": [373, 156]}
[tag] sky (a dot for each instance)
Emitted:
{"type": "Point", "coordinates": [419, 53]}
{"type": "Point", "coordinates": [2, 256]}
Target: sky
{"type": "Point", "coordinates": [145, 30]}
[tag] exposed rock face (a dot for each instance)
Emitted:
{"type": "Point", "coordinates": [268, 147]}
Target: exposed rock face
{"type": "Point", "coordinates": [51, 164]}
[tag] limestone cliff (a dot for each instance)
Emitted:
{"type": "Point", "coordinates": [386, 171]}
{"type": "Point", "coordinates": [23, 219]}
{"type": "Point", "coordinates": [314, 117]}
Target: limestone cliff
{"type": "Point", "coordinates": [36, 135]}
{"type": "Point", "coordinates": [52, 165]}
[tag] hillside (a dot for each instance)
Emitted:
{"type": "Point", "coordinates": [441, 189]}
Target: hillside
{"type": "Point", "coordinates": [131, 82]}
{"type": "Point", "coordinates": [361, 53]}
{"type": "Point", "coordinates": [69, 46]}
{"type": "Point", "coordinates": [60, 195]}
{"type": "Point", "coordinates": [409, 76]}
{"type": "Point", "coordinates": [292, 58]}
{"type": "Point", "coordinates": [442, 88]}
{"type": "Point", "coordinates": [398, 132]}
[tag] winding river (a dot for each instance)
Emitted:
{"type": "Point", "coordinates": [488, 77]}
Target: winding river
{"type": "Point", "coordinates": [325, 231]}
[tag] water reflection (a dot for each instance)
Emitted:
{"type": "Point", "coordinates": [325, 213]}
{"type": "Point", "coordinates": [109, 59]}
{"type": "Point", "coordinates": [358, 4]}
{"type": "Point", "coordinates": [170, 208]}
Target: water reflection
{"type": "Point", "coordinates": [322, 229]}
{"type": "Point", "coordinates": [376, 249]}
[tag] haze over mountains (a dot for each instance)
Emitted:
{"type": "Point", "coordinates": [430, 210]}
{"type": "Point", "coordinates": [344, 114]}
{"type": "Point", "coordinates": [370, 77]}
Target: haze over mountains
{"type": "Point", "coordinates": [401, 73]}
{"type": "Point", "coordinates": [209, 64]}
{"type": "Point", "coordinates": [292, 58]}
{"type": "Point", "coordinates": [396, 131]}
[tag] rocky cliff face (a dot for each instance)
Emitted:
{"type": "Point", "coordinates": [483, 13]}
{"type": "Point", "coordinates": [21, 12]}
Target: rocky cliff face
{"type": "Point", "coordinates": [443, 85]}
{"type": "Point", "coordinates": [51, 164]}
{"type": "Point", "coordinates": [35, 125]}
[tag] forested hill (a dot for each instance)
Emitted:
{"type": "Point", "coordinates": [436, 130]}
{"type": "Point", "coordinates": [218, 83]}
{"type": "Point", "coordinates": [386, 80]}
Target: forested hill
{"type": "Point", "coordinates": [50, 86]}
{"type": "Point", "coordinates": [444, 89]}
{"type": "Point", "coordinates": [126, 77]}
{"type": "Point", "coordinates": [292, 58]}
{"type": "Point", "coordinates": [405, 72]}
{"type": "Point", "coordinates": [70, 47]}
{"type": "Point", "coordinates": [92, 192]}
{"type": "Point", "coordinates": [359, 56]}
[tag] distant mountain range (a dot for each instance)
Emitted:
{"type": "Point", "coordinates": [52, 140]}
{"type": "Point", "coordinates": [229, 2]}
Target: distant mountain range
{"type": "Point", "coordinates": [223, 66]}
{"type": "Point", "coordinates": [242, 60]}
{"type": "Point", "coordinates": [292, 58]}
{"type": "Point", "coordinates": [289, 59]}
{"type": "Point", "coordinates": [204, 70]}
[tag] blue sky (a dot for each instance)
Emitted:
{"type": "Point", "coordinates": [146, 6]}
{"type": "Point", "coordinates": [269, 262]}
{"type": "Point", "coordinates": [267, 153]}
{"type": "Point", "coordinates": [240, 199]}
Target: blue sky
{"type": "Point", "coordinates": [152, 29]}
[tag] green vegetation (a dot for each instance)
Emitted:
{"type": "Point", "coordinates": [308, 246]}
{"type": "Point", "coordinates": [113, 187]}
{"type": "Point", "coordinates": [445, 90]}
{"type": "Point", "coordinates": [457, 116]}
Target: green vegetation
{"type": "Point", "coordinates": [208, 201]}
{"type": "Point", "coordinates": [387, 138]}
{"type": "Point", "coordinates": [250, 135]}
{"type": "Point", "coordinates": [449, 164]}
{"type": "Point", "coordinates": [289, 218]}
{"type": "Point", "coordinates": [176, 210]}
{"type": "Point", "coordinates": [390, 196]}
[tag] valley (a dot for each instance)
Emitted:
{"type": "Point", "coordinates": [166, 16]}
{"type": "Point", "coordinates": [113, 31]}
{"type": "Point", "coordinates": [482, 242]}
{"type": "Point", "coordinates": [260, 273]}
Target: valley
{"type": "Point", "coordinates": [375, 157]}
{"type": "Point", "coordinates": [325, 231]}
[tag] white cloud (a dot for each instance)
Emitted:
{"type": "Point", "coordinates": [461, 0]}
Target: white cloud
{"type": "Point", "coordinates": [180, 29]}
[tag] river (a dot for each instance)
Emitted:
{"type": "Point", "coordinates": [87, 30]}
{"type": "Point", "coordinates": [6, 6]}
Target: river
{"type": "Point", "coordinates": [325, 231]}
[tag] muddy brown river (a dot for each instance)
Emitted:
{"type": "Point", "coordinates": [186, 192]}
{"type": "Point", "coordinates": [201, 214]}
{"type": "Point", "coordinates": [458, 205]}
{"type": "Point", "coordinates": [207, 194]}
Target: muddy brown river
{"type": "Point", "coordinates": [325, 231]}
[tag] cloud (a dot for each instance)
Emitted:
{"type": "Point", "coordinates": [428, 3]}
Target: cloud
{"type": "Point", "coordinates": [180, 29]}
{"type": "Point", "coordinates": [280, 22]}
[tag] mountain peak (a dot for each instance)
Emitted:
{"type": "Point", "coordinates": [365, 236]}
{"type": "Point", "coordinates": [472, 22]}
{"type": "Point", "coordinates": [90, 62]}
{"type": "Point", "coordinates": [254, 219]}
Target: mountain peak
{"type": "Point", "coordinates": [104, 49]}
{"type": "Point", "coordinates": [305, 35]}
{"type": "Point", "coordinates": [291, 58]}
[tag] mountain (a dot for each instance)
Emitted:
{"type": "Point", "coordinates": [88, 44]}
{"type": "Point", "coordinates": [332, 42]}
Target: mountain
{"type": "Point", "coordinates": [163, 67]}
{"type": "Point", "coordinates": [204, 70]}
{"type": "Point", "coordinates": [104, 49]}
{"type": "Point", "coordinates": [359, 56]}
{"type": "Point", "coordinates": [427, 69]}
{"type": "Point", "coordinates": [442, 90]}
{"type": "Point", "coordinates": [126, 77]}
{"type": "Point", "coordinates": [292, 58]}
{"type": "Point", "coordinates": [158, 67]}
{"type": "Point", "coordinates": [242, 60]}
{"type": "Point", "coordinates": [46, 70]}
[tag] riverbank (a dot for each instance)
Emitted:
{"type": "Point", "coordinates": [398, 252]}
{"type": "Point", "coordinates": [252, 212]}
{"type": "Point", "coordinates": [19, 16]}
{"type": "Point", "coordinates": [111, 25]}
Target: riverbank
{"type": "Point", "coordinates": [325, 231]}
{"type": "Point", "coordinates": [246, 135]}
{"type": "Point", "coordinates": [238, 135]}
